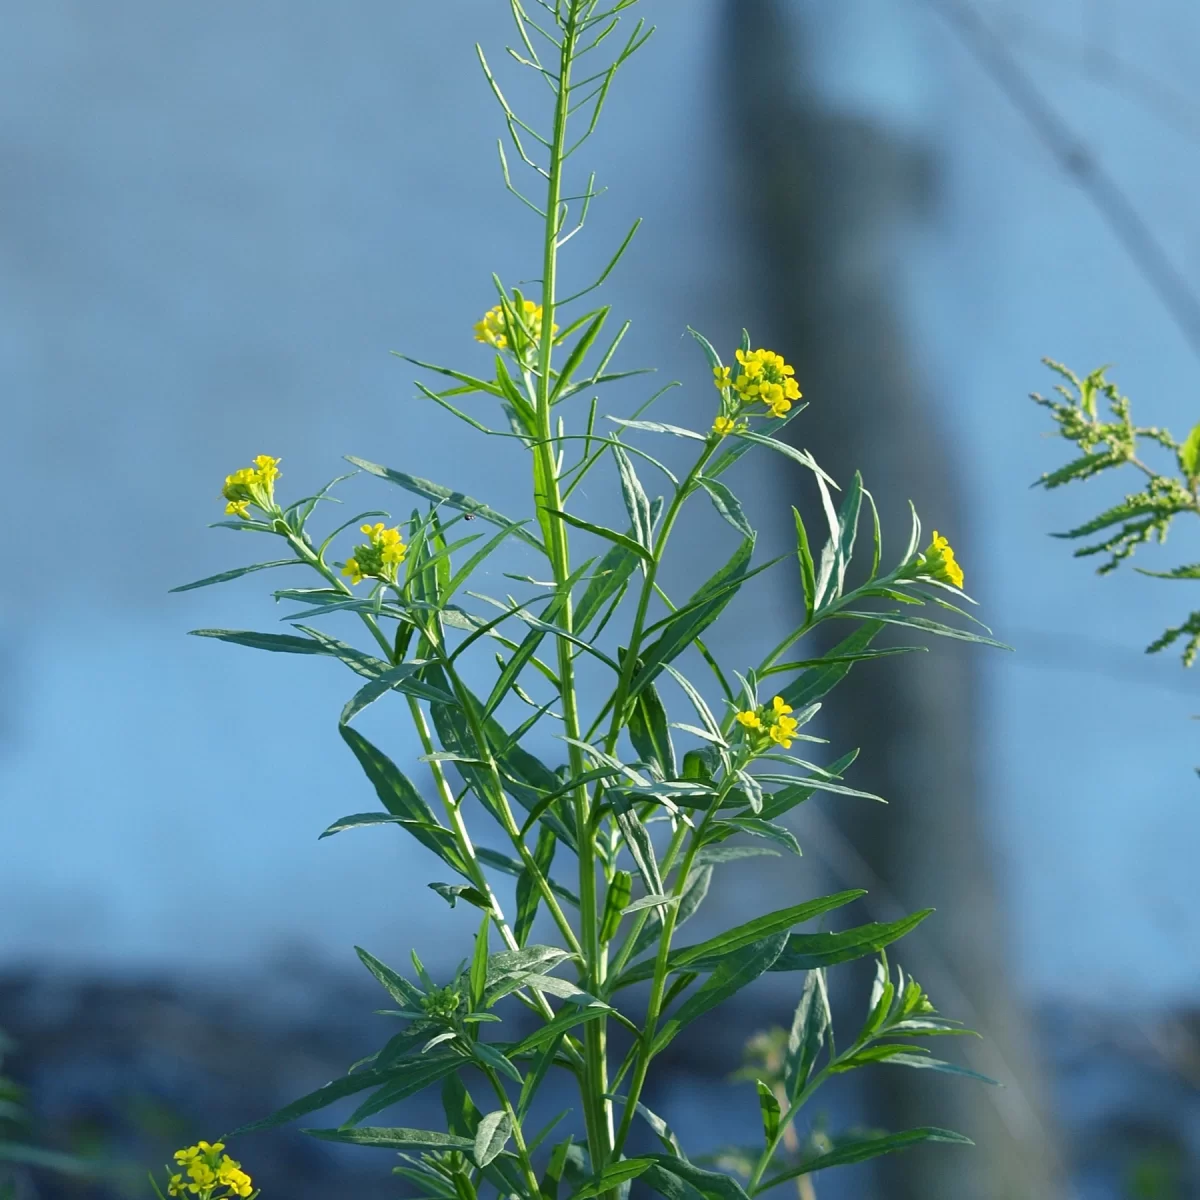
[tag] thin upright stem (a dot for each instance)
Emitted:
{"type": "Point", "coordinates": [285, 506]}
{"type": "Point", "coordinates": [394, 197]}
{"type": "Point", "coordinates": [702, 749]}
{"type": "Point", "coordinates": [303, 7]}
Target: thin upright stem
{"type": "Point", "coordinates": [548, 499]}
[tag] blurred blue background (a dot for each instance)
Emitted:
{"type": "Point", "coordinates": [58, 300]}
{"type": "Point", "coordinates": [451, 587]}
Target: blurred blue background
{"type": "Point", "coordinates": [216, 221]}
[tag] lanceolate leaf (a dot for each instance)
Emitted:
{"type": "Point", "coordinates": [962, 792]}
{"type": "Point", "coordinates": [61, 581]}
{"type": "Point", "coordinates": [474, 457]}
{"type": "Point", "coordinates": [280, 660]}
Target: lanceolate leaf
{"type": "Point", "coordinates": [407, 1078]}
{"type": "Point", "coordinates": [286, 643]}
{"type": "Point", "coordinates": [338, 1089]}
{"type": "Point", "coordinates": [814, 684]}
{"type": "Point", "coordinates": [236, 573]}
{"type": "Point", "coordinates": [807, 951]}
{"type": "Point", "coordinates": [696, 616]}
{"type": "Point", "coordinates": [447, 498]}
{"type": "Point", "coordinates": [416, 1141]}
{"type": "Point", "coordinates": [855, 1150]}
{"type": "Point", "coordinates": [711, 1185]}
{"type": "Point", "coordinates": [610, 535]}
{"type": "Point", "coordinates": [732, 974]}
{"type": "Point", "coordinates": [650, 732]}
{"type": "Point", "coordinates": [491, 1137]}
{"type": "Point", "coordinates": [610, 575]}
{"type": "Point", "coordinates": [807, 1036]}
{"type": "Point", "coordinates": [401, 679]}
{"type": "Point", "coordinates": [727, 504]}
{"type": "Point", "coordinates": [705, 956]}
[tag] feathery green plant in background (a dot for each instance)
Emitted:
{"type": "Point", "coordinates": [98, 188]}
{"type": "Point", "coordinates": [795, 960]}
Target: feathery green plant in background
{"type": "Point", "coordinates": [1111, 440]}
{"type": "Point", "coordinates": [617, 844]}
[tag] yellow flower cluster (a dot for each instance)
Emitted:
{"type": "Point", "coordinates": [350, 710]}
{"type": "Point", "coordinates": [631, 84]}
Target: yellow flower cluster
{"type": "Point", "coordinates": [207, 1170]}
{"type": "Point", "coordinates": [493, 329]}
{"type": "Point", "coordinates": [383, 552]}
{"type": "Point", "coordinates": [251, 485]}
{"type": "Point", "coordinates": [938, 562]}
{"type": "Point", "coordinates": [762, 376]}
{"type": "Point", "coordinates": [770, 723]}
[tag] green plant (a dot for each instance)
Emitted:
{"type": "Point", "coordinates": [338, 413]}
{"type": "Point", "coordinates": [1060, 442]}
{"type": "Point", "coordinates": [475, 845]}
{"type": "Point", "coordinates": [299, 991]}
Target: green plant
{"type": "Point", "coordinates": [617, 845]}
{"type": "Point", "coordinates": [1111, 441]}
{"type": "Point", "coordinates": [16, 1154]}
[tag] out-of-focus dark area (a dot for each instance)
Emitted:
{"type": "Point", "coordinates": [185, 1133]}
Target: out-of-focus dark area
{"type": "Point", "coordinates": [216, 221]}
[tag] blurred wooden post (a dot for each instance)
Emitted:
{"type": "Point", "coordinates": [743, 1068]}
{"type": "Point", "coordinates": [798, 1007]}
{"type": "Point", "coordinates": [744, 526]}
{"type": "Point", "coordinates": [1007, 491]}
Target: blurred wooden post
{"type": "Point", "coordinates": [819, 195]}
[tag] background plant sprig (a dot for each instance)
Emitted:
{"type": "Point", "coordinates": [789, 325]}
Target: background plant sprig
{"type": "Point", "coordinates": [1108, 441]}
{"type": "Point", "coordinates": [615, 846]}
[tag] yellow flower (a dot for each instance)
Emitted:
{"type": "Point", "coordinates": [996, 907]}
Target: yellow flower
{"type": "Point", "coordinates": [379, 558]}
{"type": "Point", "coordinates": [230, 1174]}
{"type": "Point", "coordinates": [750, 719]}
{"type": "Point", "coordinates": [780, 707]}
{"type": "Point", "coordinates": [938, 562]}
{"type": "Point", "coordinates": [782, 731]}
{"type": "Point", "coordinates": [765, 377]}
{"type": "Point", "coordinates": [721, 377]}
{"type": "Point", "coordinates": [493, 329]}
{"type": "Point", "coordinates": [251, 485]}
{"type": "Point", "coordinates": [210, 1174]}
{"type": "Point", "coordinates": [723, 425]}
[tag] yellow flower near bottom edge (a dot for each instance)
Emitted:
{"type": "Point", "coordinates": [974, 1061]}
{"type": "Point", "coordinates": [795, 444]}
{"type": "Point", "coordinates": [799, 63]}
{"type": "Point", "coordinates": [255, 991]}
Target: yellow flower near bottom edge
{"type": "Point", "coordinates": [723, 425]}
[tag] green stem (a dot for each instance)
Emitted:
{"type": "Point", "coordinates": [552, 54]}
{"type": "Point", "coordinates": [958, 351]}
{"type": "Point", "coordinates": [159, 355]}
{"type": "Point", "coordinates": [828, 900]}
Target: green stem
{"type": "Point", "coordinates": [785, 1124]}
{"type": "Point", "coordinates": [547, 495]}
{"type": "Point", "coordinates": [507, 820]}
{"type": "Point", "coordinates": [629, 666]}
{"type": "Point", "coordinates": [518, 1135]}
{"type": "Point", "coordinates": [659, 985]}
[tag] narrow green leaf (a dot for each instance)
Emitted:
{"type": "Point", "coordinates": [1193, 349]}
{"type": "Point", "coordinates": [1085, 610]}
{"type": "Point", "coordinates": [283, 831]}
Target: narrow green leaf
{"type": "Point", "coordinates": [617, 897]}
{"type": "Point", "coordinates": [284, 643]}
{"type": "Point", "coordinates": [811, 1022]}
{"type": "Point", "coordinates": [490, 1056]}
{"type": "Point", "coordinates": [322, 1097]}
{"type": "Point", "coordinates": [611, 535]}
{"type": "Point", "coordinates": [406, 1078]}
{"type": "Point", "coordinates": [936, 1064]}
{"type": "Point", "coordinates": [727, 505]}
{"type": "Point", "coordinates": [402, 678]}
{"type": "Point", "coordinates": [637, 840]}
{"type": "Point", "coordinates": [807, 951]}
{"type": "Point", "coordinates": [814, 684]}
{"type": "Point", "coordinates": [681, 630]}
{"type": "Point", "coordinates": [756, 826]}
{"type": "Point", "coordinates": [612, 1177]}
{"type": "Point", "coordinates": [660, 427]}
{"type": "Point", "coordinates": [452, 893]}
{"type": "Point", "coordinates": [610, 576]}
{"type": "Point", "coordinates": [236, 573]}
{"type": "Point", "coordinates": [442, 495]}
{"type": "Point", "coordinates": [520, 962]}
{"type": "Point", "coordinates": [579, 353]}
{"type": "Point", "coordinates": [401, 799]}
{"type": "Point", "coordinates": [768, 1105]}
{"type": "Point", "coordinates": [567, 1019]}
{"type": "Point", "coordinates": [710, 353]}
{"type": "Point", "coordinates": [733, 973]}
{"type": "Point", "coordinates": [650, 732]}
{"type": "Point", "coordinates": [403, 992]}
{"type": "Point", "coordinates": [462, 1116]}
{"type": "Point", "coordinates": [637, 503]}
{"type": "Point", "coordinates": [415, 1140]}
{"type": "Point", "coordinates": [760, 927]}
{"type": "Point", "coordinates": [922, 623]}
{"type": "Point", "coordinates": [855, 1150]}
{"type": "Point", "coordinates": [848, 525]}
